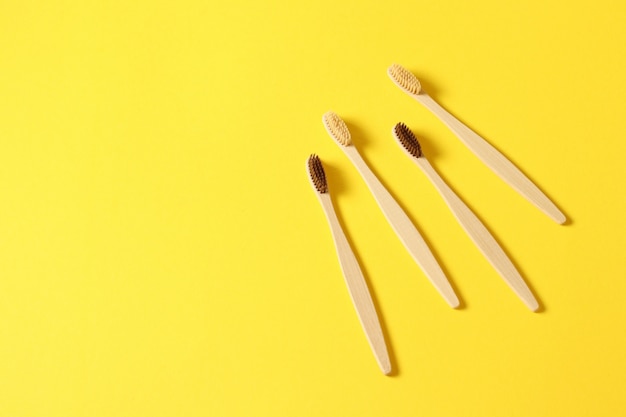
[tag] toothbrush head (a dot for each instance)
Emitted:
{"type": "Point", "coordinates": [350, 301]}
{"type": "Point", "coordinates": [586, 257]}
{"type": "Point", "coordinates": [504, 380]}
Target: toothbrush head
{"type": "Point", "coordinates": [407, 139]}
{"type": "Point", "coordinates": [337, 128]}
{"type": "Point", "coordinates": [404, 79]}
{"type": "Point", "coordinates": [317, 174]}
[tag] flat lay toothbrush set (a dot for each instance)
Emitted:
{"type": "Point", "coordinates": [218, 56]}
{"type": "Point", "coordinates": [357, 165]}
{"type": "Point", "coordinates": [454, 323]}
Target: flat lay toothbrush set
{"type": "Point", "coordinates": [402, 225]}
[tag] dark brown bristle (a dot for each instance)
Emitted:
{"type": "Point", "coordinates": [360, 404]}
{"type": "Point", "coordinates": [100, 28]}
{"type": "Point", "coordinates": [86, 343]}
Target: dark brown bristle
{"type": "Point", "coordinates": [317, 174]}
{"type": "Point", "coordinates": [408, 140]}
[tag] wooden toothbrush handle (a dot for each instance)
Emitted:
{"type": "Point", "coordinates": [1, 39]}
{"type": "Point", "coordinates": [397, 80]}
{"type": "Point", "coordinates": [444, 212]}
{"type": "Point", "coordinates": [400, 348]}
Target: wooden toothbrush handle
{"type": "Point", "coordinates": [480, 236]}
{"type": "Point", "coordinates": [405, 229]}
{"type": "Point", "coordinates": [494, 159]}
{"type": "Point", "coordinates": [357, 287]}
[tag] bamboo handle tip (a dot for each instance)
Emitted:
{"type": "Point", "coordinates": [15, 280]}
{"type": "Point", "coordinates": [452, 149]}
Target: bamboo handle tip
{"type": "Point", "coordinates": [384, 363]}
{"type": "Point", "coordinates": [533, 305]}
{"type": "Point", "coordinates": [560, 218]}
{"type": "Point", "coordinates": [453, 301]}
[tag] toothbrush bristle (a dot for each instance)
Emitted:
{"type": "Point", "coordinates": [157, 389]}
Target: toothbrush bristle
{"type": "Point", "coordinates": [408, 140]}
{"type": "Point", "coordinates": [404, 79]}
{"type": "Point", "coordinates": [337, 128]}
{"type": "Point", "coordinates": [317, 174]}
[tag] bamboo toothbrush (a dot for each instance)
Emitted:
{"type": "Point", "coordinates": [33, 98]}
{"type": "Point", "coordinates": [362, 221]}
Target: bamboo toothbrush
{"type": "Point", "coordinates": [468, 220]}
{"type": "Point", "coordinates": [398, 219]}
{"type": "Point", "coordinates": [481, 148]}
{"type": "Point", "coordinates": [354, 277]}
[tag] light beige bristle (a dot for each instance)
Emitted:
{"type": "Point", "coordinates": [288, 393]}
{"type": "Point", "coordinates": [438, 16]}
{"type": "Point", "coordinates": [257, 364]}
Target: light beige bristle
{"type": "Point", "coordinates": [317, 174]}
{"type": "Point", "coordinates": [337, 128]}
{"type": "Point", "coordinates": [408, 140]}
{"type": "Point", "coordinates": [404, 79]}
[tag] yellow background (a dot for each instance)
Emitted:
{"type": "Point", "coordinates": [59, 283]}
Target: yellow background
{"type": "Point", "coordinates": [162, 252]}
